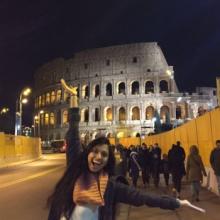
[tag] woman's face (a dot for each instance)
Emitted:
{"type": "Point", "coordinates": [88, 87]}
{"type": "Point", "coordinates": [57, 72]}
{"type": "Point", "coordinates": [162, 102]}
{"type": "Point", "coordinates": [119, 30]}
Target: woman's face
{"type": "Point", "coordinates": [98, 157]}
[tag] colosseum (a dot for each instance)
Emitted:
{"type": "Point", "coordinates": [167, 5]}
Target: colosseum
{"type": "Point", "coordinates": [123, 90]}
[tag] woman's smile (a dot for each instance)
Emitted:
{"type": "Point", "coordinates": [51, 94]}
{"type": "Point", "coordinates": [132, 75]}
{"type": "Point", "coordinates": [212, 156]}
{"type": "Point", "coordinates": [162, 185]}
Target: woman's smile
{"type": "Point", "coordinates": [98, 158]}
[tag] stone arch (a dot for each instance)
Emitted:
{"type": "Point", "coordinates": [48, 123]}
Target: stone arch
{"type": "Point", "coordinates": [149, 113]}
{"type": "Point", "coordinates": [97, 114]}
{"type": "Point", "coordinates": [108, 114]}
{"type": "Point", "coordinates": [108, 89]}
{"type": "Point", "coordinates": [135, 88]}
{"type": "Point", "coordinates": [52, 118]}
{"type": "Point", "coordinates": [58, 95]}
{"type": "Point", "coordinates": [164, 86]}
{"type": "Point", "coordinates": [121, 88]}
{"type": "Point", "coordinates": [122, 114]}
{"type": "Point", "coordinates": [85, 91]}
{"type": "Point", "coordinates": [135, 113]}
{"type": "Point", "coordinates": [46, 119]}
{"type": "Point", "coordinates": [65, 117]}
{"type": "Point", "coordinates": [149, 87]}
{"type": "Point", "coordinates": [164, 110]}
{"type": "Point", "coordinates": [53, 97]}
{"type": "Point", "coordinates": [97, 90]}
{"type": "Point", "coordinates": [47, 98]}
{"type": "Point", "coordinates": [84, 115]}
{"type": "Point", "coordinates": [178, 112]}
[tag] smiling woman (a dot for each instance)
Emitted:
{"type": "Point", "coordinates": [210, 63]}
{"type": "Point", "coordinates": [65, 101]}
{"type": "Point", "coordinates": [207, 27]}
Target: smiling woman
{"type": "Point", "coordinates": [88, 190]}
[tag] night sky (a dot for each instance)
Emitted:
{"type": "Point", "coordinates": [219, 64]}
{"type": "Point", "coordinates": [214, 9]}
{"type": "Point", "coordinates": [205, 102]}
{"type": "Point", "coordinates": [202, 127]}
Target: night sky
{"type": "Point", "coordinates": [35, 32]}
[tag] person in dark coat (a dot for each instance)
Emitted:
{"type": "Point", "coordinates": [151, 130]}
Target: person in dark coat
{"type": "Point", "coordinates": [165, 168]}
{"type": "Point", "coordinates": [155, 163]}
{"type": "Point", "coordinates": [134, 167]}
{"type": "Point", "coordinates": [215, 162]}
{"type": "Point", "coordinates": [176, 157]}
{"type": "Point", "coordinates": [195, 171]}
{"type": "Point", "coordinates": [145, 160]}
{"type": "Point", "coordinates": [88, 190]}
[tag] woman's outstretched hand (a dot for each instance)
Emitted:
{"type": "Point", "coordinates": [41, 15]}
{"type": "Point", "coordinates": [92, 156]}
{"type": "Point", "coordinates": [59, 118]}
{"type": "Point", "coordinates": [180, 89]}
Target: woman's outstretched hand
{"type": "Point", "coordinates": [184, 202]}
{"type": "Point", "coordinates": [73, 93]}
{"type": "Point", "coordinates": [189, 204]}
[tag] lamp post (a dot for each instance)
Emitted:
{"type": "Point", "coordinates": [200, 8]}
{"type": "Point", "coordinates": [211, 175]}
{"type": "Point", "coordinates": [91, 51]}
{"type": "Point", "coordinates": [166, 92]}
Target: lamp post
{"type": "Point", "coordinates": [37, 121]}
{"type": "Point", "coordinates": [18, 113]}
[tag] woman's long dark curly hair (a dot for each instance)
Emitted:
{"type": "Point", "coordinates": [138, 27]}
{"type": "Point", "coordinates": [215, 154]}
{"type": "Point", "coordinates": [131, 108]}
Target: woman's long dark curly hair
{"type": "Point", "coordinates": [61, 201]}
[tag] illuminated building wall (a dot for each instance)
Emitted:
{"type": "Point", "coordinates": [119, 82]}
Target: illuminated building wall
{"type": "Point", "coordinates": [119, 89]}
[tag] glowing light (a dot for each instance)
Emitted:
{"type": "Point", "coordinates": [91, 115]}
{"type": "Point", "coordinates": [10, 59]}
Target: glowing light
{"type": "Point", "coordinates": [179, 99]}
{"type": "Point", "coordinates": [24, 101]}
{"type": "Point", "coordinates": [169, 73]}
{"type": "Point", "coordinates": [27, 91]}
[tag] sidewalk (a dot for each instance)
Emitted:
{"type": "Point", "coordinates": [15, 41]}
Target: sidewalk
{"type": "Point", "coordinates": [208, 201]}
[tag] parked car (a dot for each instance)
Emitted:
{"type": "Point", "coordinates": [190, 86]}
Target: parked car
{"type": "Point", "coordinates": [58, 146]}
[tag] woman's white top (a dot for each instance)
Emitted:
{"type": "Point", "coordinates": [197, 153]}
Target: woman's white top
{"type": "Point", "coordinates": [83, 212]}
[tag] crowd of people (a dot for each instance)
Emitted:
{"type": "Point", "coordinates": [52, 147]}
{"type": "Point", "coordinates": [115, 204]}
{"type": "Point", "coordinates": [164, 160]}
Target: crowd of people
{"type": "Point", "coordinates": [149, 163]}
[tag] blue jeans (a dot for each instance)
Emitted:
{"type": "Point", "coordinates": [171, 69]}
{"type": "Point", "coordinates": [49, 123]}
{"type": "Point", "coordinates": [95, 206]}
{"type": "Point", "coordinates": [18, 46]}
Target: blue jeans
{"type": "Point", "coordinates": [195, 188]}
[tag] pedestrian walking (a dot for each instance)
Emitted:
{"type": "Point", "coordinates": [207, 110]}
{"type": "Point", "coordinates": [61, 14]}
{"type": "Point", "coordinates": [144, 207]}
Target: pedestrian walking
{"type": "Point", "coordinates": [195, 171]}
{"type": "Point", "coordinates": [155, 163]}
{"type": "Point", "coordinates": [145, 160]}
{"type": "Point", "coordinates": [165, 169]}
{"type": "Point", "coordinates": [134, 167]}
{"type": "Point", "coordinates": [215, 162]}
{"type": "Point", "coordinates": [176, 157]}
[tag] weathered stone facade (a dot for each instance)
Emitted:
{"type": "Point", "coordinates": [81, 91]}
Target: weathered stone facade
{"type": "Point", "coordinates": [119, 89]}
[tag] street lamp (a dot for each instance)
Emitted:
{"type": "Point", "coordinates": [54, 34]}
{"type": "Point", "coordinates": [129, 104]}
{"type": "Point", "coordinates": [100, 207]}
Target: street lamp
{"type": "Point", "coordinates": [4, 110]}
{"type": "Point", "coordinates": [37, 123]}
{"type": "Point", "coordinates": [18, 114]}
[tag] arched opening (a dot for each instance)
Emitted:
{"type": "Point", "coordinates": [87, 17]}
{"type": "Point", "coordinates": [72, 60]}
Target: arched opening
{"type": "Point", "coordinates": [52, 118]}
{"type": "Point", "coordinates": [109, 89]}
{"type": "Point", "coordinates": [97, 90]}
{"type": "Point", "coordinates": [149, 87]}
{"type": "Point", "coordinates": [135, 113]}
{"type": "Point", "coordinates": [65, 117]}
{"type": "Point", "coordinates": [122, 114]}
{"type": "Point", "coordinates": [53, 97]}
{"type": "Point", "coordinates": [84, 115]}
{"type": "Point", "coordinates": [108, 114]}
{"type": "Point", "coordinates": [85, 91]}
{"type": "Point", "coordinates": [66, 96]}
{"type": "Point", "coordinates": [149, 113]}
{"type": "Point", "coordinates": [164, 111]}
{"type": "Point", "coordinates": [178, 112]}
{"type": "Point", "coordinates": [59, 94]}
{"type": "Point", "coordinates": [135, 88]}
{"type": "Point", "coordinates": [163, 86]}
{"type": "Point", "coordinates": [97, 114]}
{"type": "Point", "coordinates": [121, 88]}
{"type": "Point", "coordinates": [48, 98]}
{"type": "Point", "coordinates": [46, 118]}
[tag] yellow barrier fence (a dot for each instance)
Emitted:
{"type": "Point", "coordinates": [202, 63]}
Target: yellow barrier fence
{"type": "Point", "coordinates": [202, 131]}
{"type": "Point", "coordinates": [18, 148]}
